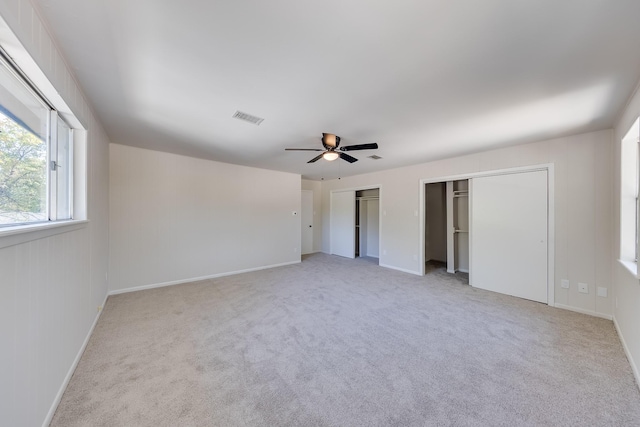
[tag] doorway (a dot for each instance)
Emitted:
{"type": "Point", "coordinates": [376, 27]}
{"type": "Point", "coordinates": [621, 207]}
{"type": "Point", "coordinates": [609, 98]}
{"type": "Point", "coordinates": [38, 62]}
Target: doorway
{"type": "Point", "coordinates": [435, 242]}
{"type": "Point", "coordinates": [446, 227]}
{"type": "Point", "coordinates": [306, 222]}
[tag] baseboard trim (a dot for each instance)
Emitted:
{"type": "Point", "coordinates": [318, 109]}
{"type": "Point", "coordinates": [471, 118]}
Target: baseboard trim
{"type": "Point", "coordinates": [195, 279]}
{"type": "Point", "coordinates": [404, 270]}
{"type": "Point", "coordinates": [65, 383]}
{"type": "Point", "coordinates": [583, 311]}
{"type": "Point", "coordinates": [634, 367]}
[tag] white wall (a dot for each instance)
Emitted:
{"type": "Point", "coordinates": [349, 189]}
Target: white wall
{"type": "Point", "coordinates": [176, 218]}
{"type": "Point", "coordinates": [583, 209]}
{"type": "Point", "coordinates": [316, 187]}
{"type": "Point", "coordinates": [627, 288]}
{"type": "Point", "coordinates": [50, 288]}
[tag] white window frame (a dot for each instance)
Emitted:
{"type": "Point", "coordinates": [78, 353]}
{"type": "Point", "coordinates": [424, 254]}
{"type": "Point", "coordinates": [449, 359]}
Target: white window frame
{"type": "Point", "coordinates": [630, 199]}
{"type": "Point", "coordinates": [52, 143]}
{"type": "Point", "coordinates": [17, 234]}
{"type": "Point", "coordinates": [53, 160]}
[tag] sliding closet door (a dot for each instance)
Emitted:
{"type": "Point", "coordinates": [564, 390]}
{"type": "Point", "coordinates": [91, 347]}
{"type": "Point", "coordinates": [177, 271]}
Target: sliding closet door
{"type": "Point", "coordinates": [343, 224]}
{"type": "Point", "coordinates": [509, 234]}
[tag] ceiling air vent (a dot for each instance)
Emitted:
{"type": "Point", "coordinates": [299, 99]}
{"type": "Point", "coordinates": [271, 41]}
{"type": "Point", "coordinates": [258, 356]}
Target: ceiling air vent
{"type": "Point", "coordinates": [247, 118]}
{"type": "Point", "coordinates": [374, 157]}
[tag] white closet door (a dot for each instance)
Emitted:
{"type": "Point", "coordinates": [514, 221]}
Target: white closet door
{"type": "Point", "coordinates": [509, 234]}
{"type": "Point", "coordinates": [343, 224]}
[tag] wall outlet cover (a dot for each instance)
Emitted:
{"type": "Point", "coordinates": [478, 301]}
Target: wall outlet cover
{"type": "Point", "coordinates": [564, 284]}
{"type": "Point", "coordinates": [583, 288]}
{"type": "Point", "coordinates": [602, 291]}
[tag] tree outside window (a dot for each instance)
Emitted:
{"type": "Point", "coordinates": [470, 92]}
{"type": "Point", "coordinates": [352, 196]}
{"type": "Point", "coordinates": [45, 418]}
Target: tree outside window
{"type": "Point", "coordinates": [23, 174]}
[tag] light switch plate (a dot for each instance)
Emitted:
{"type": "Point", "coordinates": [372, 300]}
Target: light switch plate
{"type": "Point", "coordinates": [564, 284]}
{"type": "Point", "coordinates": [602, 291]}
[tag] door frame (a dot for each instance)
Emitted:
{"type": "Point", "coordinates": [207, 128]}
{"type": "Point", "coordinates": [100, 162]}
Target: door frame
{"type": "Point", "coordinates": [549, 168]}
{"type": "Point", "coordinates": [313, 219]}
{"type": "Point", "coordinates": [356, 189]}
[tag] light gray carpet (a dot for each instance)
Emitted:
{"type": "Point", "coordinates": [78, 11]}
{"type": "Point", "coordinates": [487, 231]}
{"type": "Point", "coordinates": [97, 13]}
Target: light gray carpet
{"type": "Point", "coordinates": [337, 342]}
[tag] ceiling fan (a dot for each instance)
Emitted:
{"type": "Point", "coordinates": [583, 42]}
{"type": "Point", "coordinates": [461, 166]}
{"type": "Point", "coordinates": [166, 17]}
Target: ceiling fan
{"type": "Point", "coordinates": [331, 152]}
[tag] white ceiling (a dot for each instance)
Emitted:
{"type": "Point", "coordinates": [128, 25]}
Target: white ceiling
{"type": "Point", "coordinates": [425, 79]}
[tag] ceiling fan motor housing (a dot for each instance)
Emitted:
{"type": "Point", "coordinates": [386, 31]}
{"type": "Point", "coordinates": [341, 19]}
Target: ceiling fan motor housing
{"type": "Point", "coordinates": [330, 141]}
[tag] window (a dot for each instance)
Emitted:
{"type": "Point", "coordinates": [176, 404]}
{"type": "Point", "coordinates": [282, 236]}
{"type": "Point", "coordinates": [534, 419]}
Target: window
{"type": "Point", "coordinates": [629, 202]}
{"type": "Point", "coordinates": [36, 154]}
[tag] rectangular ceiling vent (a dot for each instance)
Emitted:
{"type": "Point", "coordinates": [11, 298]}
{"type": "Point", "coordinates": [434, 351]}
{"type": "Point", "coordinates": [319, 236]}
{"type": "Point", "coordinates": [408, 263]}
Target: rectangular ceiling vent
{"type": "Point", "coordinates": [247, 118]}
{"type": "Point", "coordinates": [374, 157]}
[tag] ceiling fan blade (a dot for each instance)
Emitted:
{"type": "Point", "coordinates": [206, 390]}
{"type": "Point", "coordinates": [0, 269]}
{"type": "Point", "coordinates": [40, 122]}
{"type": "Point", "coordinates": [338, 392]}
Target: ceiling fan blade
{"type": "Point", "coordinates": [347, 157]}
{"type": "Point", "coordinates": [315, 159]}
{"type": "Point", "coordinates": [303, 149]}
{"type": "Point", "coordinates": [371, 146]}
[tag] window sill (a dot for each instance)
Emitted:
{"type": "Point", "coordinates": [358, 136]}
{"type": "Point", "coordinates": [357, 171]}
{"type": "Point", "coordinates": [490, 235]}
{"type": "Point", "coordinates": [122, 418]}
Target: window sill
{"type": "Point", "coordinates": [11, 236]}
{"type": "Point", "coordinates": [631, 266]}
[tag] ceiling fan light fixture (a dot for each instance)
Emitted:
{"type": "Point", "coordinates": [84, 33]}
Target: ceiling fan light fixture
{"type": "Point", "coordinates": [330, 156]}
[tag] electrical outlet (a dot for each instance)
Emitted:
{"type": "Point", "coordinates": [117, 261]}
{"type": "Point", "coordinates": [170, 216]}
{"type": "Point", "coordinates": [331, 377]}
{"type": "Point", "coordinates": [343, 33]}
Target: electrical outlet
{"type": "Point", "coordinates": [602, 291]}
{"type": "Point", "coordinates": [564, 284]}
{"type": "Point", "coordinates": [583, 288]}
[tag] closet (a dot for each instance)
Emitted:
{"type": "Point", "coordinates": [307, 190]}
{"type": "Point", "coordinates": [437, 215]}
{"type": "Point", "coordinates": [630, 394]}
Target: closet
{"type": "Point", "coordinates": [447, 224]}
{"type": "Point", "coordinates": [367, 223]}
{"type": "Point", "coordinates": [355, 223]}
{"type": "Point", "coordinates": [435, 247]}
{"type": "Point", "coordinates": [495, 227]}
